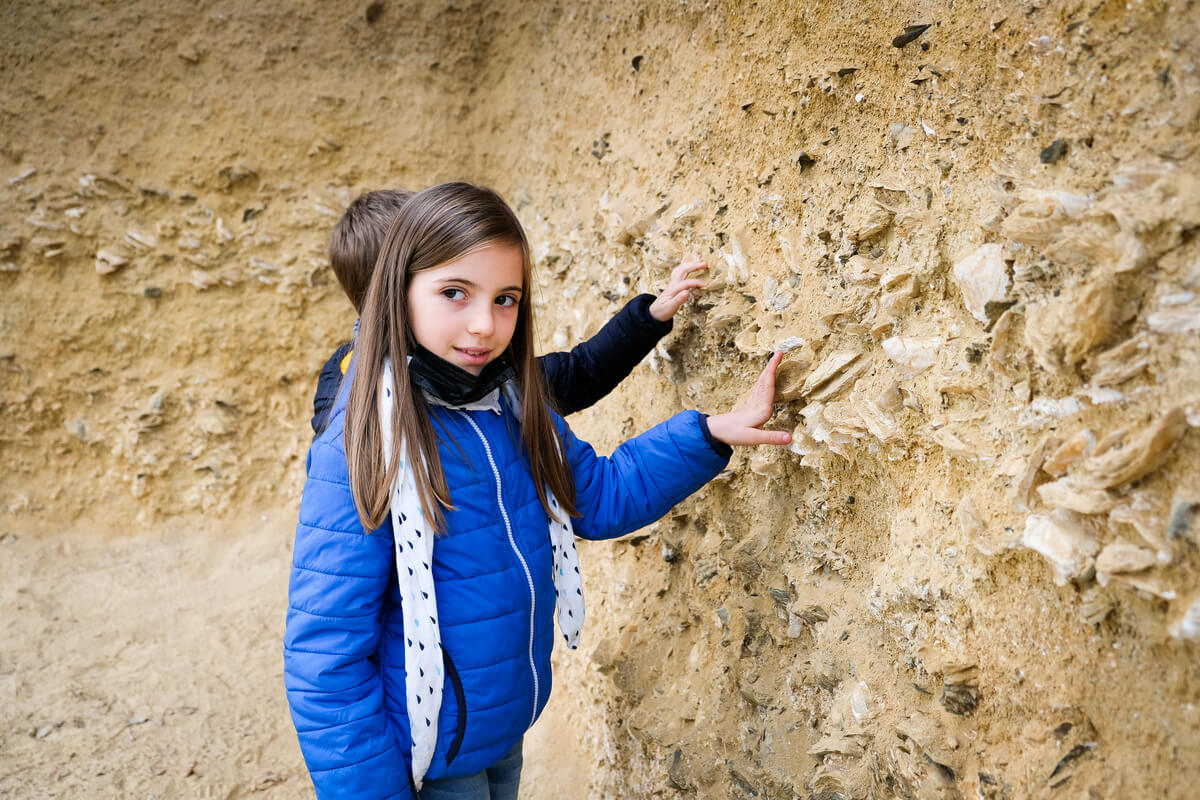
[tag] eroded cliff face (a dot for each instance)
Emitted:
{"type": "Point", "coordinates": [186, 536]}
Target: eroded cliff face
{"type": "Point", "coordinates": [975, 571]}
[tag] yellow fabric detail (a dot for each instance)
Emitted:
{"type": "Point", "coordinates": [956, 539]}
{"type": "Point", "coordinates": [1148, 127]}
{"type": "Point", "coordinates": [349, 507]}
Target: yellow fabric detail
{"type": "Point", "coordinates": [346, 362]}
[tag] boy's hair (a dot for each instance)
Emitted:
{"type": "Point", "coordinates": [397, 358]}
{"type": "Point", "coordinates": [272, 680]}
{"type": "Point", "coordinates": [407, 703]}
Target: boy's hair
{"type": "Point", "coordinates": [356, 240]}
{"type": "Point", "coordinates": [437, 226]}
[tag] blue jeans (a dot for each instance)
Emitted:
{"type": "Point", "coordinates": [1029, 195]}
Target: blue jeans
{"type": "Point", "coordinates": [498, 782]}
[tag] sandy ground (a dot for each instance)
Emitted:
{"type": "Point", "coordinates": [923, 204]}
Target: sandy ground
{"type": "Point", "coordinates": [151, 667]}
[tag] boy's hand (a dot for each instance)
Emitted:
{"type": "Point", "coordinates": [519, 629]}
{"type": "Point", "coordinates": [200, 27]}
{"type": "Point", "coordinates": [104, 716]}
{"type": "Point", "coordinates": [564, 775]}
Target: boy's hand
{"type": "Point", "coordinates": [743, 425]}
{"type": "Point", "coordinates": [678, 290]}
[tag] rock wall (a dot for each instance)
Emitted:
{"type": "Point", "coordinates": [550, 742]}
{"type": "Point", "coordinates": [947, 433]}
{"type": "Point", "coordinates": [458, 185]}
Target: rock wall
{"type": "Point", "coordinates": [975, 571]}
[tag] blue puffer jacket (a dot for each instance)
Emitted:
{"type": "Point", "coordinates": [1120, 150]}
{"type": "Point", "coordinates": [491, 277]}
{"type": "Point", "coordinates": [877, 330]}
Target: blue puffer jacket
{"type": "Point", "coordinates": [344, 645]}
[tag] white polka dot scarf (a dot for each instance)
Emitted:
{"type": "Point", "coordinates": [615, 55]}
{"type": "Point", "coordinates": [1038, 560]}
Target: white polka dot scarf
{"type": "Point", "coordinates": [414, 562]}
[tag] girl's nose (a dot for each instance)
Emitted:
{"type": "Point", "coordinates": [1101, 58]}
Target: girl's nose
{"type": "Point", "coordinates": [482, 322]}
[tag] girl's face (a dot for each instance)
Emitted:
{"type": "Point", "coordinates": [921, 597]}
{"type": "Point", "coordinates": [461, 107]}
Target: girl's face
{"type": "Point", "coordinates": [465, 311]}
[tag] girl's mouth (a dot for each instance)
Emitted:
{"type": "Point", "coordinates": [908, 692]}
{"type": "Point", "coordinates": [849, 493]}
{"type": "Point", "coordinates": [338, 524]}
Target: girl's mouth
{"type": "Point", "coordinates": [474, 355]}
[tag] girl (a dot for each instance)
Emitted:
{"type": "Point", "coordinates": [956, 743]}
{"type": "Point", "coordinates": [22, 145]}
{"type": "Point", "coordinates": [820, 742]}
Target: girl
{"type": "Point", "coordinates": [435, 540]}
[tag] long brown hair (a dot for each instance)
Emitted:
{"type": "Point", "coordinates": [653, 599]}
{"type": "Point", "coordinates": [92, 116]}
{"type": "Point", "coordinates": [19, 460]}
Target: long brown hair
{"type": "Point", "coordinates": [437, 226]}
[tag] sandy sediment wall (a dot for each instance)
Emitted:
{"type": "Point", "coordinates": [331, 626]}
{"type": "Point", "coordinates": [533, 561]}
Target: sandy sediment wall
{"type": "Point", "coordinates": [975, 571]}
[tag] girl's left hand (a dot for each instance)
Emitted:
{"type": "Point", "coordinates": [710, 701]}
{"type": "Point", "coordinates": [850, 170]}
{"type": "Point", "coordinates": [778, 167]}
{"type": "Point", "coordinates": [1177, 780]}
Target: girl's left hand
{"type": "Point", "coordinates": [743, 425]}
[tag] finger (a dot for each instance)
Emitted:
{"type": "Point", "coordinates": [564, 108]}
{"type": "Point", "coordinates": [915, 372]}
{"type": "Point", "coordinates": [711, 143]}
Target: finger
{"type": "Point", "coordinates": [750, 437]}
{"type": "Point", "coordinates": [761, 401]}
{"type": "Point", "coordinates": [685, 269]}
{"type": "Point", "coordinates": [754, 436]}
{"type": "Point", "coordinates": [678, 299]}
{"type": "Point", "coordinates": [775, 437]}
{"type": "Point", "coordinates": [667, 304]}
{"type": "Point", "coordinates": [766, 380]}
{"type": "Point", "coordinates": [681, 286]}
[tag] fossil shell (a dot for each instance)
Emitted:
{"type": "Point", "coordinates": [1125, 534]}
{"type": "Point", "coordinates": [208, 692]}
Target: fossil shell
{"type": "Point", "coordinates": [875, 415]}
{"type": "Point", "coordinates": [1063, 330]}
{"type": "Point", "coordinates": [735, 259]}
{"type": "Point", "coordinates": [109, 261]}
{"type": "Point", "coordinates": [762, 463]}
{"type": "Point", "coordinates": [860, 702]}
{"type": "Point", "coordinates": [893, 301]}
{"type": "Point", "coordinates": [790, 376]}
{"type": "Point", "coordinates": [1120, 363]}
{"type": "Point", "coordinates": [954, 445]}
{"type": "Point", "coordinates": [1188, 624]}
{"type": "Point", "coordinates": [1121, 557]}
{"type": "Point", "coordinates": [1069, 453]}
{"type": "Point", "coordinates": [843, 417]}
{"type": "Point", "coordinates": [1040, 219]}
{"type": "Point", "coordinates": [775, 300]}
{"type": "Point", "coordinates": [890, 399]}
{"type": "Point", "coordinates": [931, 740]}
{"type": "Point", "coordinates": [837, 742]}
{"type": "Point", "coordinates": [866, 223]}
{"type": "Point", "coordinates": [860, 269]}
{"type": "Point", "coordinates": [1143, 453]}
{"type": "Point", "coordinates": [624, 223]}
{"type": "Point", "coordinates": [840, 382]}
{"type": "Point", "coordinates": [1175, 320]}
{"type": "Point", "coordinates": [1149, 584]}
{"type": "Point", "coordinates": [140, 240]}
{"type": "Point", "coordinates": [1067, 493]}
{"type": "Point", "coordinates": [818, 429]}
{"type": "Point", "coordinates": [915, 355]}
{"type": "Point", "coordinates": [688, 212]}
{"type": "Point", "coordinates": [747, 341]}
{"type": "Point", "coordinates": [831, 366]}
{"type": "Point", "coordinates": [1102, 240]}
{"type": "Point", "coordinates": [1063, 541]}
{"type": "Point", "coordinates": [1021, 495]}
{"type": "Point", "coordinates": [730, 311]}
{"type": "Point", "coordinates": [1095, 606]}
{"type": "Point", "coordinates": [982, 278]}
{"type": "Point", "coordinates": [1003, 343]}
{"type": "Point", "coordinates": [1140, 513]}
{"type": "Point", "coordinates": [896, 277]}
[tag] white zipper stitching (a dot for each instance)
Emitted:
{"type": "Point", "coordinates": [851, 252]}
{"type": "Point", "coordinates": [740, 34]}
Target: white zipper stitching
{"type": "Point", "coordinates": [487, 448]}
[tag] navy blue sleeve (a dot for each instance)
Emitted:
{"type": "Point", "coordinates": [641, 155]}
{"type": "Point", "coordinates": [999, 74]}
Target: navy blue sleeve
{"type": "Point", "coordinates": [578, 379]}
{"type": "Point", "coordinates": [327, 386]}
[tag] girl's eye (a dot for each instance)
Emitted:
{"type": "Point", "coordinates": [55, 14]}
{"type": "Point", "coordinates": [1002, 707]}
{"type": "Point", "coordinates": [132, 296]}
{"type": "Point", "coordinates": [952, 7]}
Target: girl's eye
{"type": "Point", "coordinates": [506, 300]}
{"type": "Point", "coordinates": [453, 294]}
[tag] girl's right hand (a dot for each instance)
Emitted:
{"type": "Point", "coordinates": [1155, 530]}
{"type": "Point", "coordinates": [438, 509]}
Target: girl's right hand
{"type": "Point", "coordinates": [678, 290]}
{"type": "Point", "coordinates": [743, 425]}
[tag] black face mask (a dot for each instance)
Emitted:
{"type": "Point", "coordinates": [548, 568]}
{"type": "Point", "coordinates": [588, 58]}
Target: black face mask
{"type": "Point", "coordinates": [455, 385]}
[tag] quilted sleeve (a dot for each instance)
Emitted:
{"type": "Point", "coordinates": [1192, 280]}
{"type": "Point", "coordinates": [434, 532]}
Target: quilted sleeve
{"type": "Point", "coordinates": [644, 478]}
{"type": "Point", "coordinates": [338, 580]}
{"type": "Point", "coordinates": [582, 377]}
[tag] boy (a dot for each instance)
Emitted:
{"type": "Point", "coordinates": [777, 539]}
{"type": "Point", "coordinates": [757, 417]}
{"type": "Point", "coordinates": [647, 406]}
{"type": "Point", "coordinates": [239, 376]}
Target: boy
{"type": "Point", "coordinates": [576, 380]}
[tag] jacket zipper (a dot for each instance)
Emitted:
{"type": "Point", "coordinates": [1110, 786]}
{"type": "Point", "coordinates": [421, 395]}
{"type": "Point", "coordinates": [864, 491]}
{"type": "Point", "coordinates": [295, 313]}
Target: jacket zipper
{"type": "Point", "coordinates": [512, 542]}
